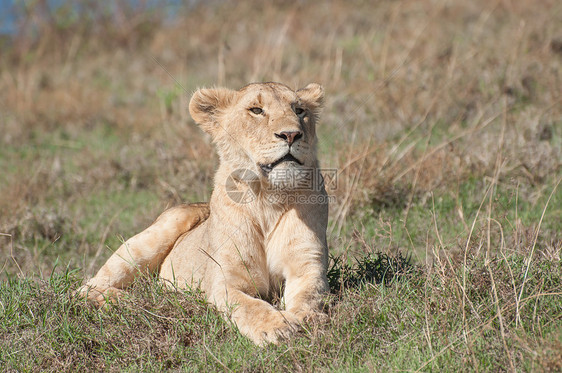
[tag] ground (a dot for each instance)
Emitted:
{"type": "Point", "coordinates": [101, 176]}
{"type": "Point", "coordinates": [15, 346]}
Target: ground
{"type": "Point", "coordinates": [443, 126]}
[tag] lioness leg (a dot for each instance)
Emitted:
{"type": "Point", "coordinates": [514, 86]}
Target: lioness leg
{"type": "Point", "coordinates": [304, 295]}
{"type": "Point", "coordinates": [144, 252]}
{"type": "Point", "coordinates": [305, 261]}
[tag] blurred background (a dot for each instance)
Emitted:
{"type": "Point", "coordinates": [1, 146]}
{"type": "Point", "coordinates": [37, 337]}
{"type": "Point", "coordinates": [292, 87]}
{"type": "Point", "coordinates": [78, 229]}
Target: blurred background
{"type": "Point", "coordinates": [429, 104]}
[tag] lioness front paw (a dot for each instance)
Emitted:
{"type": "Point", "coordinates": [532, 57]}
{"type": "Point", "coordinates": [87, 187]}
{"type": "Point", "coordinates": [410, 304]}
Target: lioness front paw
{"type": "Point", "coordinates": [99, 297]}
{"type": "Point", "coordinates": [277, 326]}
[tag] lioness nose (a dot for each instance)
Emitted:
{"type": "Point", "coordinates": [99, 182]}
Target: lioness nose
{"type": "Point", "coordinates": [289, 136]}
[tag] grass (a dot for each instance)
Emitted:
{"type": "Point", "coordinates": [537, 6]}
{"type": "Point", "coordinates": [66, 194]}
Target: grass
{"type": "Point", "coordinates": [443, 120]}
{"type": "Point", "coordinates": [409, 322]}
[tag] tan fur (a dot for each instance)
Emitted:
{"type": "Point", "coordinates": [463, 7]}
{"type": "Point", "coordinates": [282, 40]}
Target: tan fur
{"type": "Point", "coordinates": [240, 252]}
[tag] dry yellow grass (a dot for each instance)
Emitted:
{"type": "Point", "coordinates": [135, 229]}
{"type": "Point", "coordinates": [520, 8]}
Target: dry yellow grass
{"type": "Point", "coordinates": [418, 95]}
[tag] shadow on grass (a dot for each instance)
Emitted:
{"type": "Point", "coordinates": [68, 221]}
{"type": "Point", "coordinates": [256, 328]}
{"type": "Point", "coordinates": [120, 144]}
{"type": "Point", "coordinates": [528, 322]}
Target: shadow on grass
{"type": "Point", "coordinates": [371, 268]}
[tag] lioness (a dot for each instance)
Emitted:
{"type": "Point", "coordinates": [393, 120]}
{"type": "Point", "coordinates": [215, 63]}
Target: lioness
{"type": "Point", "coordinates": [264, 228]}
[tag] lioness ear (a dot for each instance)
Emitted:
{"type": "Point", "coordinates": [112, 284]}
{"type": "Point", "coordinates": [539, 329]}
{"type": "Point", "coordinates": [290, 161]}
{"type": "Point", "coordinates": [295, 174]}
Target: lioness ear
{"type": "Point", "coordinates": [206, 105]}
{"type": "Point", "coordinates": [313, 97]}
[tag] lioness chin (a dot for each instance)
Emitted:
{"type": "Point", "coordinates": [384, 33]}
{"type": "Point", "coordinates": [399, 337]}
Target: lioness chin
{"type": "Point", "coordinates": [264, 229]}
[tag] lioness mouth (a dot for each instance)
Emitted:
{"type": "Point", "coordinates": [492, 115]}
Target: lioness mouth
{"type": "Point", "coordinates": [266, 168]}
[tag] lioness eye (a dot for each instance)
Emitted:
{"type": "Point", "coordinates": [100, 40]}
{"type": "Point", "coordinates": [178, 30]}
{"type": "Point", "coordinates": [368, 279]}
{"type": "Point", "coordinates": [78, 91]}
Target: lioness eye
{"type": "Point", "coordinates": [299, 111]}
{"type": "Point", "coordinates": [256, 110]}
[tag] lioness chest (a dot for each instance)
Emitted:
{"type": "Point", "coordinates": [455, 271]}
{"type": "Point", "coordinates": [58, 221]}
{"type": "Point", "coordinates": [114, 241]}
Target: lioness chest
{"type": "Point", "coordinates": [205, 258]}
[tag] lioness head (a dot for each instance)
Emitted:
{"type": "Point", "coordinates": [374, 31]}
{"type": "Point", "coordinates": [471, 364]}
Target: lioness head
{"type": "Point", "coordinates": [265, 128]}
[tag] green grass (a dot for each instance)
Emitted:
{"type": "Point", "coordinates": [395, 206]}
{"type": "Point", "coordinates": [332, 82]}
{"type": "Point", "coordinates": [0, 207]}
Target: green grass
{"type": "Point", "coordinates": [508, 204]}
{"type": "Point", "coordinates": [414, 321]}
